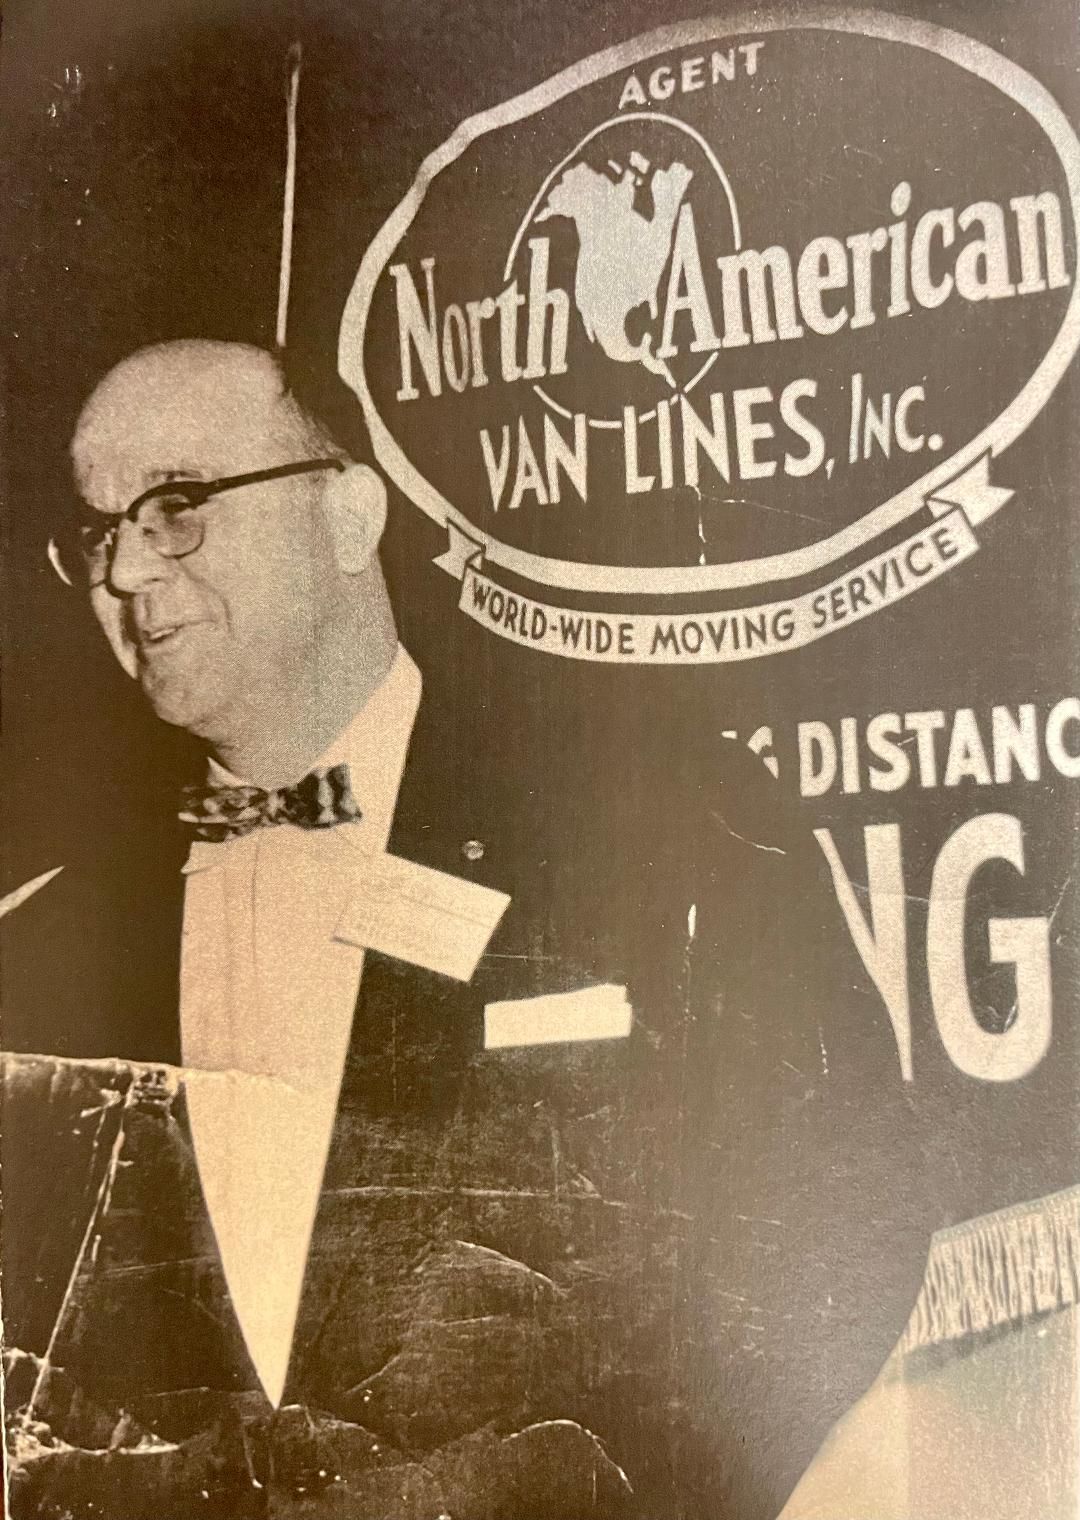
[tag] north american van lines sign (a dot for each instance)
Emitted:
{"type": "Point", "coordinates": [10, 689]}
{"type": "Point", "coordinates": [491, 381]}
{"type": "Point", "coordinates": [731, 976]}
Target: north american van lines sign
{"type": "Point", "coordinates": [688, 382]}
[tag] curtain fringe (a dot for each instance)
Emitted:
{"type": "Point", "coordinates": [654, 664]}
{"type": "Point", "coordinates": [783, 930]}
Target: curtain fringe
{"type": "Point", "coordinates": [1002, 1268]}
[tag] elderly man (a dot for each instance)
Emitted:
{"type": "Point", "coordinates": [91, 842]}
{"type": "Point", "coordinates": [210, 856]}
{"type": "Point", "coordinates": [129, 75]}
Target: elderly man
{"type": "Point", "coordinates": [514, 1131]}
{"type": "Point", "coordinates": [254, 615]}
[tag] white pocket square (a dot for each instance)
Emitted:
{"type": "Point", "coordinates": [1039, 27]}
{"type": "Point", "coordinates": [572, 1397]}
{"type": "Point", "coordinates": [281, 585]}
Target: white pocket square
{"type": "Point", "coordinates": [587, 1013]}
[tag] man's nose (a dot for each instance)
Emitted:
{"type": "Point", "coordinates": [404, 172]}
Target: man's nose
{"type": "Point", "coordinates": [135, 563]}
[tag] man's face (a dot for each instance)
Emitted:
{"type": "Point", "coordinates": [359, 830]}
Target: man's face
{"type": "Point", "coordinates": [227, 629]}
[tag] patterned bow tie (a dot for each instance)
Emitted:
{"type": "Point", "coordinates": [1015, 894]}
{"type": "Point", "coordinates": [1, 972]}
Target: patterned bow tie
{"type": "Point", "coordinates": [321, 800]}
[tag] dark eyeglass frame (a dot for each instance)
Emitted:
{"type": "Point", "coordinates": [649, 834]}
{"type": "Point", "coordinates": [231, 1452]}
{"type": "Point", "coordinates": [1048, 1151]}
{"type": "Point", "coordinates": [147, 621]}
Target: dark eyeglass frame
{"type": "Point", "coordinates": [195, 493]}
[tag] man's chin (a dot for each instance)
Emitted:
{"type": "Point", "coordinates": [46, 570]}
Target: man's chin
{"type": "Point", "coordinates": [177, 704]}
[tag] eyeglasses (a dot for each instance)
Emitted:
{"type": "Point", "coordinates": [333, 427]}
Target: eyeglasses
{"type": "Point", "coordinates": [167, 515]}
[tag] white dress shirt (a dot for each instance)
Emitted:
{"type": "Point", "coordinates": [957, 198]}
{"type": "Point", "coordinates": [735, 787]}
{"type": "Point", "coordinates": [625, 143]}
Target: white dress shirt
{"type": "Point", "coordinates": [267, 995]}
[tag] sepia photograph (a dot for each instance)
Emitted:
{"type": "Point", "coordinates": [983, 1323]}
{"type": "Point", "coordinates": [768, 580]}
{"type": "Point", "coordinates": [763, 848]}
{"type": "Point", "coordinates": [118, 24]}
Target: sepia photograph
{"type": "Point", "coordinates": [541, 741]}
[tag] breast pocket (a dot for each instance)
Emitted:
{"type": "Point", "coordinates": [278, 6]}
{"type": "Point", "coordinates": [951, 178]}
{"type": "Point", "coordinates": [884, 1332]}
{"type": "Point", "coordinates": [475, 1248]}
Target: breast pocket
{"type": "Point", "coordinates": [600, 1012]}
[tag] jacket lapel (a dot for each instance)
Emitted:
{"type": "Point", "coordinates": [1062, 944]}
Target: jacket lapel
{"type": "Point", "coordinates": [415, 1031]}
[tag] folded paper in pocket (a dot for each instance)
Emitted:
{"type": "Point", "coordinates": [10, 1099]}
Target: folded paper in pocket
{"type": "Point", "coordinates": [588, 1013]}
{"type": "Point", "coordinates": [425, 917]}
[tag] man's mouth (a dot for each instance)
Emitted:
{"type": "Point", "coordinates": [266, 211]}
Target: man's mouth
{"type": "Point", "coordinates": [160, 635]}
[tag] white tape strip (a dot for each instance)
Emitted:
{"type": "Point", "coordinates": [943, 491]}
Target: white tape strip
{"type": "Point", "coordinates": [588, 1013]}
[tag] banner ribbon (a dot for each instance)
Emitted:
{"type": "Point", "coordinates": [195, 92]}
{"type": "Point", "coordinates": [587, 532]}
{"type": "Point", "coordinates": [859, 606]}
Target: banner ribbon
{"type": "Point", "coordinates": [733, 633]}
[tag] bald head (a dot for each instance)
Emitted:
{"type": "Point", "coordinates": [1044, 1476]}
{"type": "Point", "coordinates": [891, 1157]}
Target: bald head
{"type": "Point", "coordinates": [192, 407]}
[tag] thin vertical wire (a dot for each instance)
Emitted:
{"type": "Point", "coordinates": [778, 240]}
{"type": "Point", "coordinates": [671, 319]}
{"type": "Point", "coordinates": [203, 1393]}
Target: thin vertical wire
{"type": "Point", "coordinates": [285, 271]}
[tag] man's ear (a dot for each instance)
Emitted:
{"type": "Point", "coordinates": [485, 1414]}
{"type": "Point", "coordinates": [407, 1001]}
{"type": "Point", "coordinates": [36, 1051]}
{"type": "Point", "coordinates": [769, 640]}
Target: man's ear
{"type": "Point", "coordinates": [356, 511]}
